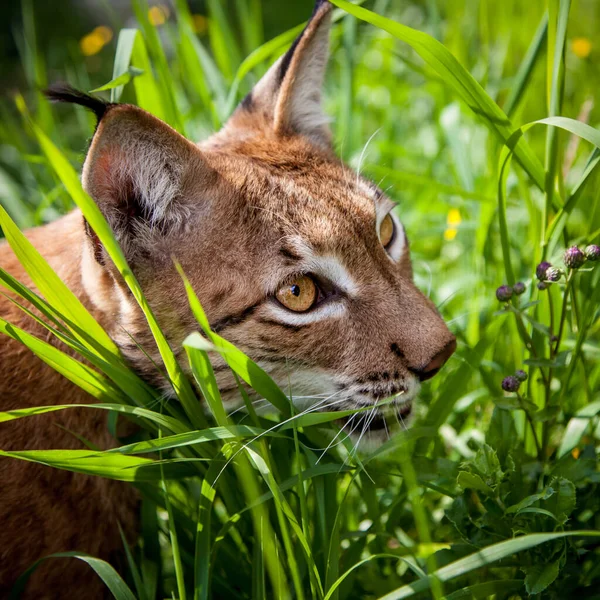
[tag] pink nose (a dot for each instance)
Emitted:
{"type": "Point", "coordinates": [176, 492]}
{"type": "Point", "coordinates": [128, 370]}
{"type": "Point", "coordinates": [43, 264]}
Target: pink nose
{"type": "Point", "coordinates": [437, 362]}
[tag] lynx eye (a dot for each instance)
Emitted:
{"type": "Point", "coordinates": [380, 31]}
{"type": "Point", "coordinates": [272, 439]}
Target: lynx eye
{"type": "Point", "coordinates": [298, 295]}
{"type": "Point", "coordinates": [386, 231]}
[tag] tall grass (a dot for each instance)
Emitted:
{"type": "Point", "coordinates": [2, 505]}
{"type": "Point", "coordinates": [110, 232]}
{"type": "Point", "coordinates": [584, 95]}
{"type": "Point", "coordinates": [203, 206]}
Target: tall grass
{"type": "Point", "coordinates": [471, 105]}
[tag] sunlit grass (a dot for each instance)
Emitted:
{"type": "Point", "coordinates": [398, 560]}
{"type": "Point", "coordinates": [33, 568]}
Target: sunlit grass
{"type": "Point", "coordinates": [261, 505]}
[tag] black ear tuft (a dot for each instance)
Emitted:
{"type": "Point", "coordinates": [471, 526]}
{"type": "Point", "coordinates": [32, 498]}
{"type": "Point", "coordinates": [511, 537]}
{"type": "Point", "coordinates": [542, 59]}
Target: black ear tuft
{"type": "Point", "coordinates": [63, 92]}
{"type": "Point", "coordinates": [287, 59]}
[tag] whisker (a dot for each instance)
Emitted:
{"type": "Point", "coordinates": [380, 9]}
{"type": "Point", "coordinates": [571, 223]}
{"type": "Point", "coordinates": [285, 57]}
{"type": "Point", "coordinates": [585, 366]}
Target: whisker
{"type": "Point", "coordinates": [461, 316]}
{"type": "Point", "coordinates": [446, 299]}
{"type": "Point", "coordinates": [381, 181]}
{"type": "Point", "coordinates": [312, 408]}
{"type": "Point", "coordinates": [315, 396]}
{"type": "Point", "coordinates": [331, 444]}
{"type": "Point", "coordinates": [403, 424]}
{"type": "Point", "coordinates": [362, 420]}
{"type": "Point", "coordinates": [362, 155]}
{"type": "Point", "coordinates": [372, 413]}
{"type": "Point", "coordinates": [262, 401]}
{"type": "Point", "coordinates": [162, 398]}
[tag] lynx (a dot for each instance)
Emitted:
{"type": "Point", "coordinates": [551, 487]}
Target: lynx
{"type": "Point", "coordinates": [296, 259]}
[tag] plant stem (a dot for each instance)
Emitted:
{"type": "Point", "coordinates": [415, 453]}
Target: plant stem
{"type": "Point", "coordinates": [551, 309]}
{"type": "Point", "coordinates": [528, 341]}
{"type": "Point", "coordinates": [532, 425]}
{"type": "Point", "coordinates": [563, 314]}
{"type": "Point", "coordinates": [554, 351]}
{"type": "Point", "coordinates": [550, 370]}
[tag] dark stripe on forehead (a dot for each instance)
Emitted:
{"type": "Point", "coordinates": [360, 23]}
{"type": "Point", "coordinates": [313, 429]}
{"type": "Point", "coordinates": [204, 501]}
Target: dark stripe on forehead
{"type": "Point", "coordinates": [222, 294]}
{"type": "Point", "coordinates": [289, 253]}
{"type": "Point", "coordinates": [287, 326]}
{"type": "Point", "coordinates": [234, 319]}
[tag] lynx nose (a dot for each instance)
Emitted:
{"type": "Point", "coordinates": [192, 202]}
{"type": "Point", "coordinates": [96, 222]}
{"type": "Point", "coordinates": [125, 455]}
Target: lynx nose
{"type": "Point", "coordinates": [437, 362]}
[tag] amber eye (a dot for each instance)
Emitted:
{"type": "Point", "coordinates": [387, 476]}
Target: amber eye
{"type": "Point", "coordinates": [299, 294]}
{"type": "Point", "coordinates": [386, 230]}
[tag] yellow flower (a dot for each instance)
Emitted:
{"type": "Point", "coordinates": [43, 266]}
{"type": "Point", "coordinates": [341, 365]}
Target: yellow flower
{"type": "Point", "coordinates": [94, 41]}
{"type": "Point", "coordinates": [575, 453]}
{"type": "Point", "coordinates": [91, 44]}
{"type": "Point", "coordinates": [104, 32]}
{"type": "Point", "coordinates": [158, 15]}
{"type": "Point", "coordinates": [450, 234]}
{"type": "Point", "coordinates": [582, 47]}
{"type": "Point", "coordinates": [453, 220]}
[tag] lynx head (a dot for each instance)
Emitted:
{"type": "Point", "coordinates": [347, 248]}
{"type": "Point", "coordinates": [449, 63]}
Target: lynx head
{"type": "Point", "coordinates": [296, 259]}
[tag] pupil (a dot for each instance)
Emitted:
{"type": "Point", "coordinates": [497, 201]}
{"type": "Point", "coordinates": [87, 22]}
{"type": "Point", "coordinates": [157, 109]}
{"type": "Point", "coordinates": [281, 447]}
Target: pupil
{"type": "Point", "coordinates": [295, 289]}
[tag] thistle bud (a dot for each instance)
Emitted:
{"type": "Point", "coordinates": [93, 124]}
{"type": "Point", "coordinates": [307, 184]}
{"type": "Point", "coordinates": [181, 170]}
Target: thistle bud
{"type": "Point", "coordinates": [542, 285]}
{"type": "Point", "coordinates": [592, 253]}
{"type": "Point", "coordinates": [510, 384]}
{"type": "Point", "coordinates": [521, 375]}
{"type": "Point", "coordinates": [574, 257]}
{"type": "Point", "coordinates": [519, 288]}
{"type": "Point", "coordinates": [553, 274]}
{"type": "Point", "coordinates": [504, 293]}
{"type": "Point", "coordinates": [540, 270]}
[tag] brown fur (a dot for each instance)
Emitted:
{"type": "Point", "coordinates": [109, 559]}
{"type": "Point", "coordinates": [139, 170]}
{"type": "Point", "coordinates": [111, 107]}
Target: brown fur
{"type": "Point", "coordinates": [45, 510]}
{"type": "Point", "coordinates": [264, 200]}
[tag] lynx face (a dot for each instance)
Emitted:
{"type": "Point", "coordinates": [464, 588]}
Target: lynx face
{"type": "Point", "coordinates": [296, 260]}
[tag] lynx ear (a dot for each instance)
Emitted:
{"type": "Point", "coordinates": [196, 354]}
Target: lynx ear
{"type": "Point", "coordinates": [136, 170]}
{"type": "Point", "coordinates": [289, 95]}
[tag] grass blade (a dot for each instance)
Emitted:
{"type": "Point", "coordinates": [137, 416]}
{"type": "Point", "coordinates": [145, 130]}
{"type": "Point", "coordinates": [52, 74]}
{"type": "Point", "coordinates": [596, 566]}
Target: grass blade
{"type": "Point", "coordinates": [118, 588]}
{"type": "Point", "coordinates": [523, 76]}
{"type": "Point", "coordinates": [482, 558]}
{"type": "Point", "coordinates": [239, 362]}
{"type": "Point", "coordinates": [577, 427]}
{"type": "Point", "coordinates": [110, 465]}
{"type": "Point", "coordinates": [93, 383]}
{"type": "Point", "coordinates": [164, 421]}
{"type": "Point", "coordinates": [456, 76]}
{"type": "Point", "coordinates": [51, 286]}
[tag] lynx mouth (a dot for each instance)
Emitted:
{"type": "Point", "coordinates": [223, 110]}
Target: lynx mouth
{"type": "Point", "coordinates": [385, 420]}
{"type": "Point", "coordinates": [391, 417]}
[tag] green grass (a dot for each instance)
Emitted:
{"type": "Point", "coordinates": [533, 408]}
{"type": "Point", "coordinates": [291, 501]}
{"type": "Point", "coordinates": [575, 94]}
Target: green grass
{"type": "Point", "coordinates": [473, 110]}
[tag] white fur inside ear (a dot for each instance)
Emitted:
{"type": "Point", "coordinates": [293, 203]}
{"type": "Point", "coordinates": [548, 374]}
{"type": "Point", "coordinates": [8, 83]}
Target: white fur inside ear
{"type": "Point", "coordinates": [157, 181]}
{"type": "Point", "coordinates": [155, 177]}
{"type": "Point", "coordinates": [140, 169]}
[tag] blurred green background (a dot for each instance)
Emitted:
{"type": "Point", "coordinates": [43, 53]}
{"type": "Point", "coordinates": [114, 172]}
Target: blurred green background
{"type": "Point", "coordinates": [61, 29]}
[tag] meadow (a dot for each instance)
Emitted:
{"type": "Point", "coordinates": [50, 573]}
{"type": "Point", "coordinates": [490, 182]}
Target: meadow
{"type": "Point", "coordinates": [479, 118]}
